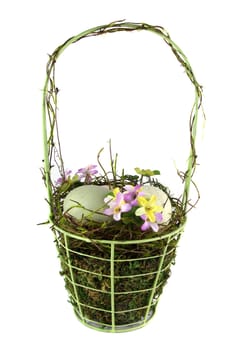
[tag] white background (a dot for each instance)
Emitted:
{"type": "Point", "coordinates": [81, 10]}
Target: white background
{"type": "Point", "coordinates": [195, 310]}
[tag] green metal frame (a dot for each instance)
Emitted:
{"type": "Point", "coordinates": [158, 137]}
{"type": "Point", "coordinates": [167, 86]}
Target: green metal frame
{"type": "Point", "coordinates": [151, 305]}
{"type": "Point", "coordinates": [62, 237]}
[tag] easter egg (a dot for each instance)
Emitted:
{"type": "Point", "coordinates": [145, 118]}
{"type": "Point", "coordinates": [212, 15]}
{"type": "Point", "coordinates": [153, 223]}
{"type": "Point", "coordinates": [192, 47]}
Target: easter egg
{"type": "Point", "coordinates": [162, 200]}
{"type": "Point", "coordinates": [84, 200]}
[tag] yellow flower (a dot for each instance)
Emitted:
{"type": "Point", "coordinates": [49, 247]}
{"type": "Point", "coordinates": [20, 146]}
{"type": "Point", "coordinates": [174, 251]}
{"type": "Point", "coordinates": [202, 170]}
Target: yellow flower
{"type": "Point", "coordinates": [148, 208]}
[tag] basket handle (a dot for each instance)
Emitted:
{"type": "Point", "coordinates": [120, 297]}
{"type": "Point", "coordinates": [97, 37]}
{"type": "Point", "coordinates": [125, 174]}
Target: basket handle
{"type": "Point", "coordinates": [49, 105]}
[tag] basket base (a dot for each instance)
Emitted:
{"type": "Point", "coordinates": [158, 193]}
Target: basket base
{"type": "Point", "coordinates": [116, 329]}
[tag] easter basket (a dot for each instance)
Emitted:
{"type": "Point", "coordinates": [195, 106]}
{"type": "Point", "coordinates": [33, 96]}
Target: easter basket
{"type": "Point", "coordinates": [116, 235]}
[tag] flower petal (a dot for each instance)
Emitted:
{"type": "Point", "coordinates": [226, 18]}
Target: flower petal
{"type": "Point", "coordinates": [126, 207]}
{"type": "Point", "coordinates": [91, 167]}
{"type": "Point", "coordinates": [143, 217]}
{"type": "Point", "coordinates": [154, 226]}
{"type": "Point", "coordinates": [117, 216]}
{"type": "Point", "coordinates": [134, 203]}
{"type": "Point", "coordinates": [108, 211]}
{"type": "Point", "coordinates": [129, 188]}
{"type": "Point", "coordinates": [81, 170]}
{"type": "Point", "coordinates": [159, 217]}
{"type": "Point", "coordinates": [68, 172]}
{"type": "Point", "coordinates": [93, 172]}
{"type": "Point", "coordinates": [140, 211]}
{"type": "Point", "coordinates": [145, 226]}
{"type": "Point", "coordinates": [108, 199]}
{"type": "Point", "coordinates": [116, 191]}
{"type": "Point", "coordinates": [142, 201]}
{"type": "Point", "coordinates": [152, 200]}
{"type": "Point", "coordinates": [128, 196]}
{"type": "Point", "coordinates": [151, 215]}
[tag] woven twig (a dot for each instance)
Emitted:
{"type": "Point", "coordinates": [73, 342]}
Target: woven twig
{"type": "Point", "coordinates": [53, 149]}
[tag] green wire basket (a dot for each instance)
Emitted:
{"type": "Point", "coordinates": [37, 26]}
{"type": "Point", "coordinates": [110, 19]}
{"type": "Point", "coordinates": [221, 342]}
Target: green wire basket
{"type": "Point", "coordinates": [113, 285]}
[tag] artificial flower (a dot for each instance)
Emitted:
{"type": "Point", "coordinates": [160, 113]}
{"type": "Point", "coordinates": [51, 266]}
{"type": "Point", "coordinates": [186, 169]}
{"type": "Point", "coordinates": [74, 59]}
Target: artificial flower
{"type": "Point", "coordinates": [148, 224]}
{"type": "Point", "coordinates": [131, 194]}
{"type": "Point", "coordinates": [117, 205]}
{"type": "Point", "coordinates": [87, 173]}
{"type": "Point", "coordinates": [148, 208]}
{"type": "Point", "coordinates": [63, 178]}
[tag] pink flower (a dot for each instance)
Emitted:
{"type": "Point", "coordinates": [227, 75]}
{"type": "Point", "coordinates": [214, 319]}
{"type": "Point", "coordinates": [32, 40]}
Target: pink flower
{"type": "Point", "coordinates": [154, 225]}
{"type": "Point", "coordinates": [117, 205]}
{"type": "Point", "coordinates": [62, 179]}
{"type": "Point", "coordinates": [130, 196]}
{"type": "Point", "coordinates": [87, 173]}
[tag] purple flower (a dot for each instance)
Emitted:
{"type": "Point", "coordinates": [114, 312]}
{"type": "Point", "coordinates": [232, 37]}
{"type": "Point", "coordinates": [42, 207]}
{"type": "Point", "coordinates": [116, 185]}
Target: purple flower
{"type": "Point", "coordinates": [87, 173]}
{"type": "Point", "coordinates": [154, 225]}
{"type": "Point", "coordinates": [117, 205]}
{"type": "Point", "coordinates": [130, 196]}
{"type": "Point", "coordinates": [63, 178]}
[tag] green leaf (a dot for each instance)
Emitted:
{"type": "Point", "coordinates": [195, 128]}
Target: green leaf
{"type": "Point", "coordinates": [156, 172]}
{"type": "Point", "coordinates": [64, 187]}
{"type": "Point", "coordinates": [147, 172]}
{"type": "Point", "coordinates": [74, 179]}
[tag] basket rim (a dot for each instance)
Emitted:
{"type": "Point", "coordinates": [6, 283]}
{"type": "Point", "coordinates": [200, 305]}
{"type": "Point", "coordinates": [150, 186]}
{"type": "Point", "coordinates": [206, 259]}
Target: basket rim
{"type": "Point", "coordinates": [180, 229]}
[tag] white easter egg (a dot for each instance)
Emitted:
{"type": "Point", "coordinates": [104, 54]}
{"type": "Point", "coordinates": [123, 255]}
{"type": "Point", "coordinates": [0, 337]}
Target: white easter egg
{"type": "Point", "coordinates": [162, 200]}
{"type": "Point", "coordinates": [90, 197]}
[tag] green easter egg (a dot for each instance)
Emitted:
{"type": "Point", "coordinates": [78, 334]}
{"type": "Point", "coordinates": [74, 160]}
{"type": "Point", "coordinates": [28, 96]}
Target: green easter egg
{"type": "Point", "coordinates": [84, 200]}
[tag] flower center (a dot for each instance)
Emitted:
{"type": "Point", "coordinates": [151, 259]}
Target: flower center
{"type": "Point", "coordinates": [148, 208]}
{"type": "Point", "coordinates": [117, 210]}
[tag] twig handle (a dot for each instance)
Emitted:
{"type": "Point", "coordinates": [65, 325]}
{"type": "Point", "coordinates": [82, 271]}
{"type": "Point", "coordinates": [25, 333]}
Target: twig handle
{"type": "Point", "coordinates": [50, 91]}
